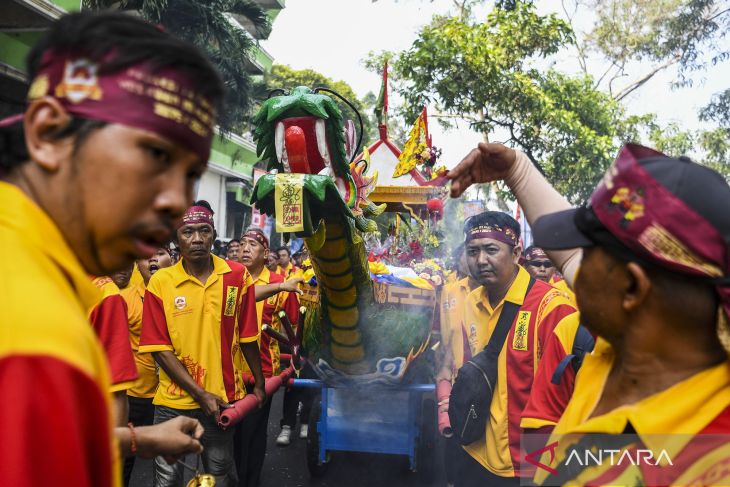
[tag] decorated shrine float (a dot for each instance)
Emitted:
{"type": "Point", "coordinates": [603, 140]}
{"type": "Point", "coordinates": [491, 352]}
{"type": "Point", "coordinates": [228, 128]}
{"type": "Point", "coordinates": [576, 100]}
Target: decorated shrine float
{"type": "Point", "coordinates": [364, 325]}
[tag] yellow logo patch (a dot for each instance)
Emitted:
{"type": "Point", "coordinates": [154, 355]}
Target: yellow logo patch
{"type": "Point", "coordinates": [231, 298]}
{"type": "Point", "coordinates": [519, 342]}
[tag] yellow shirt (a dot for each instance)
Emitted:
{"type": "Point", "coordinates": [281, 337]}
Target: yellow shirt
{"type": "Point", "coordinates": [203, 324]}
{"type": "Point", "coordinates": [146, 383]}
{"type": "Point", "coordinates": [541, 312]}
{"type": "Point", "coordinates": [453, 298]}
{"type": "Point", "coordinates": [562, 285]}
{"type": "Point", "coordinates": [267, 312]}
{"type": "Point", "coordinates": [53, 372]}
{"type": "Point", "coordinates": [109, 320]}
{"type": "Point", "coordinates": [699, 404]}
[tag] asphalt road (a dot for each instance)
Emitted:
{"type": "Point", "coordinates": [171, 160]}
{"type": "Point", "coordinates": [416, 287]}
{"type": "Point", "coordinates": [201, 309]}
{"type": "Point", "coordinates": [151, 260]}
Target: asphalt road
{"type": "Point", "coordinates": [287, 467]}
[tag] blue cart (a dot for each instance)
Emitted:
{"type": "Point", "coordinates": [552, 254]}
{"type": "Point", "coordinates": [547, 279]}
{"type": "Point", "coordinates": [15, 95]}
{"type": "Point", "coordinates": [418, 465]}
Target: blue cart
{"type": "Point", "coordinates": [396, 420]}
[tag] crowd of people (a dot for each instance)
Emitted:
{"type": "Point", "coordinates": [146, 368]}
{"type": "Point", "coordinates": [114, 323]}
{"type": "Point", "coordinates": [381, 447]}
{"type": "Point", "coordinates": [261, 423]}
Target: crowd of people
{"type": "Point", "coordinates": [129, 328]}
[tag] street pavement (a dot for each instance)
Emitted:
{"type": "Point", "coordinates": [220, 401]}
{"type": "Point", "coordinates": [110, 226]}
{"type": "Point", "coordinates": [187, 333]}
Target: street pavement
{"type": "Point", "coordinates": [287, 467]}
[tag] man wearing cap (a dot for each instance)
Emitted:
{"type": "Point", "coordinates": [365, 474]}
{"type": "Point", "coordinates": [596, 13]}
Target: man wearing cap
{"type": "Point", "coordinates": [653, 284]}
{"type": "Point", "coordinates": [250, 437]}
{"type": "Point", "coordinates": [92, 176]}
{"type": "Point", "coordinates": [199, 321]}
{"type": "Point", "coordinates": [492, 252]}
{"type": "Point", "coordinates": [539, 265]}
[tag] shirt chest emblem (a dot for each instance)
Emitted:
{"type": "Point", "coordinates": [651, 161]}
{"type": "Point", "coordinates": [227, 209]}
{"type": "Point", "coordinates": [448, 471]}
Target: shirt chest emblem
{"type": "Point", "coordinates": [231, 300]}
{"type": "Point", "coordinates": [519, 341]}
{"type": "Point", "coordinates": [180, 302]}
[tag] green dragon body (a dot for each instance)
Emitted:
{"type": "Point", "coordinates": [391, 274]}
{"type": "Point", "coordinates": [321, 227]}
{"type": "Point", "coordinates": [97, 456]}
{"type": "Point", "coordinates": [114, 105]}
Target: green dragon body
{"type": "Point", "coordinates": [348, 332]}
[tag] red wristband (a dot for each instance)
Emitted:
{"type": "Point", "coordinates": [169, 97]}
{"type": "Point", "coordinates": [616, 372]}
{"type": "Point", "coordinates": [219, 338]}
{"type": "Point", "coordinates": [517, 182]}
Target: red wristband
{"type": "Point", "coordinates": [133, 446]}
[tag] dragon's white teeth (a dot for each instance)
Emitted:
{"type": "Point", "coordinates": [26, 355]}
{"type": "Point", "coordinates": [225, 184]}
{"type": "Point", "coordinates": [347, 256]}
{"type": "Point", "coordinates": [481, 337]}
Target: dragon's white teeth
{"type": "Point", "coordinates": [279, 140]}
{"type": "Point", "coordinates": [341, 187]}
{"type": "Point", "coordinates": [319, 130]}
{"type": "Point", "coordinates": [327, 171]}
{"type": "Point", "coordinates": [281, 154]}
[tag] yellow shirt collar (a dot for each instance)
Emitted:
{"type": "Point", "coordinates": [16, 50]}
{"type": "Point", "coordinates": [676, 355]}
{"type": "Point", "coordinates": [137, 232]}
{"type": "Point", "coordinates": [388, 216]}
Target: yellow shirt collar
{"type": "Point", "coordinates": [220, 267]}
{"type": "Point", "coordinates": [463, 284]}
{"type": "Point", "coordinates": [21, 214]}
{"type": "Point", "coordinates": [515, 294]}
{"type": "Point", "coordinates": [264, 277]}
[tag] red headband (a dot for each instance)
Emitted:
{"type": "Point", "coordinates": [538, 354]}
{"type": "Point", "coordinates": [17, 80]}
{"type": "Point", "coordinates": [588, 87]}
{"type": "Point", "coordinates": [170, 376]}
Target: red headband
{"type": "Point", "coordinates": [535, 253]}
{"type": "Point", "coordinates": [160, 101]}
{"type": "Point", "coordinates": [259, 236]}
{"type": "Point", "coordinates": [505, 235]}
{"type": "Point", "coordinates": [650, 220]}
{"type": "Point", "coordinates": [196, 215]}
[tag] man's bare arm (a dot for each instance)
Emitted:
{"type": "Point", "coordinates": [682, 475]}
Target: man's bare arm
{"type": "Point", "coordinates": [253, 358]}
{"type": "Point", "coordinates": [267, 290]}
{"type": "Point", "coordinates": [493, 162]}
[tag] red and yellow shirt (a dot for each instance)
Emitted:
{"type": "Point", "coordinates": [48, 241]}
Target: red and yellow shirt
{"type": "Point", "coordinates": [109, 319]}
{"type": "Point", "coordinates": [202, 324]}
{"type": "Point", "coordinates": [453, 331]}
{"type": "Point", "coordinates": [541, 312]}
{"type": "Point", "coordinates": [697, 405]}
{"type": "Point", "coordinates": [146, 383]}
{"type": "Point", "coordinates": [267, 313]}
{"type": "Point", "coordinates": [548, 401]}
{"type": "Point", "coordinates": [53, 372]}
{"type": "Point", "coordinates": [291, 271]}
{"type": "Point", "coordinates": [560, 284]}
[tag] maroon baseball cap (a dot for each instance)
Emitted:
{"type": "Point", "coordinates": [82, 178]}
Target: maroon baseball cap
{"type": "Point", "coordinates": [650, 207]}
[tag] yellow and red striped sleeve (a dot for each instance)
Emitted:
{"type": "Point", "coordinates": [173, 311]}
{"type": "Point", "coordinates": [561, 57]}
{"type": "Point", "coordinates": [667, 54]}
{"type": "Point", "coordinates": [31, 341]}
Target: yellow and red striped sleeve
{"type": "Point", "coordinates": [248, 322]}
{"type": "Point", "coordinates": [547, 401]}
{"type": "Point", "coordinates": [65, 411]}
{"type": "Point", "coordinates": [109, 320]}
{"type": "Point", "coordinates": [155, 335]}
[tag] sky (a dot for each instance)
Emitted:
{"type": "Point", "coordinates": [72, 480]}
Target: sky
{"type": "Point", "coordinates": [334, 36]}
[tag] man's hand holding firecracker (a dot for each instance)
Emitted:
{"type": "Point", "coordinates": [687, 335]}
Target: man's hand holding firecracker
{"type": "Point", "coordinates": [486, 163]}
{"type": "Point", "coordinates": [171, 439]}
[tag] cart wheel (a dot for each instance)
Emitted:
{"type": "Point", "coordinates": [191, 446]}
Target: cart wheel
{"type": "Point", "coordinates": [426, 448]}
{"type": "Point", "coordinates": [316, 469]}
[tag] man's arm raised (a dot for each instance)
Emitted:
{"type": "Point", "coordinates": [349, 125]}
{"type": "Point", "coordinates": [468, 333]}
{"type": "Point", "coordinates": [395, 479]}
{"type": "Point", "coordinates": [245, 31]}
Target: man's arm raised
{"type": "Point", "coordinates": [494, 162]}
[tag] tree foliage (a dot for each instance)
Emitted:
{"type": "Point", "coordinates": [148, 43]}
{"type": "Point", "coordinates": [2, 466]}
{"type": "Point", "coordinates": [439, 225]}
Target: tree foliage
{"type": "Point", "coordinates": [718, 110]}
{"type": "Point", "coordinates": [498, 75]}
{"type": "Point", "coordinates": [659, 34]}
{"type": "Point", "coordinates": [211, 26]}
{"type": "Point", "coordinates": [489, 75]}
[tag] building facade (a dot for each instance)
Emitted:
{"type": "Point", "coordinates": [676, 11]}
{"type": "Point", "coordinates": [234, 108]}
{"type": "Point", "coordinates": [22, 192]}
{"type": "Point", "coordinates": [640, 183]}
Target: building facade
{"type": "Point", "coordinates": [227, 183]}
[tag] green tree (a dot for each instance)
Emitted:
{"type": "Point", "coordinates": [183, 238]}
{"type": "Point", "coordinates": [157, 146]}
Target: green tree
{"type": "Point", "coordinates": [488, 75]}
{"type": "Point", "coordinates": [710, 147]}
{"type": "Point", "coordinates": [658, 34]}
{"type": "Point", "coordinates": [718, 110]}
{"type": "Point", "coordinates": [212, 25]}
{"type": "Point", "coordinates": [286, 78]}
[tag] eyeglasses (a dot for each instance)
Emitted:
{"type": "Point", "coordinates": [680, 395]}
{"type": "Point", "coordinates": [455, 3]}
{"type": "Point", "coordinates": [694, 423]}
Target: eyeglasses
{"type": "Point", "coordinates": [540, 263]}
